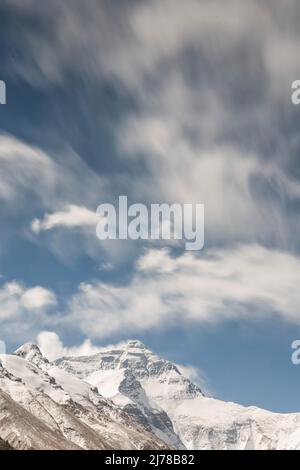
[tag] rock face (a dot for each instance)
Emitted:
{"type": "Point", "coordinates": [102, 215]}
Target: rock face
{"type": "Point", "coordinates": [24, 431]}
{"type": "Point", "coordinates": [44, 407]}
{"type": "Point", "coordinates": [4, 445]}
{"type": "Point", "coordinates": [163, 400]}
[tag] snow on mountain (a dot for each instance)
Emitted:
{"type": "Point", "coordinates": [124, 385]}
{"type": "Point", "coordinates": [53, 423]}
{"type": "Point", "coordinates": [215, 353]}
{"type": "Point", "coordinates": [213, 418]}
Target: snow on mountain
{"type": "Point", "coordinates": [31, 352]}
{"type": "Point", "coordinates": [122, 375]}
{"type": "Point", "coordinates": [156, 393]}
{"type": "Point", "coordinates": [42, 406]}
{"type": "Point", "coordinates": [124, 397]}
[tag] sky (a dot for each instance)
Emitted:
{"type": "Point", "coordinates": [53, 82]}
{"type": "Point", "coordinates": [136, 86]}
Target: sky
{"type": "Point", "coordinates": [163, 101]}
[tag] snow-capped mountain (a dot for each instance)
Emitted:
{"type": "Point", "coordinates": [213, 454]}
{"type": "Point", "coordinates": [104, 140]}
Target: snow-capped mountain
{"type": "Point", "coordinates": [156, 393]}
{"type": "Point", "coordinates": [124, 397]}
{"type": "Point", "coordinates": [125, 376]}
{"type": "Point", "coordinates": [44, 407]}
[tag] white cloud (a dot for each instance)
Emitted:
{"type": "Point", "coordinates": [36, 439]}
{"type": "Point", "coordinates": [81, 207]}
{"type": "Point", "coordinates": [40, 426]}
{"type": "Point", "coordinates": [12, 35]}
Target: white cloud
{"type": "Point", "coordinates": [196, 376]}
{"type": "Point", "coordinates": [23, 310]}
{"type": "Point", "coordinates": [37, 298]}
{"type": "Point", "coordinates": [33, 181]}
{"type": "Point", "coordinates": [130, 42]}
{"type": "Point", "coordinates": [52, 347]}
{"type": "Point", "coordinates": [152, 40]}
{"type": "Point", "coordinates": [24, 168]}
{"type": "Point", "coordinates": [72, 217]}
{"type": "Point", "coordinates": [157, 261]}
{"type": "Point", "coordinates": [246, 282]}
{"type": "Point", "coordinates": [222, 177]}
{"type": "Point", "coordinates": [17, 300]}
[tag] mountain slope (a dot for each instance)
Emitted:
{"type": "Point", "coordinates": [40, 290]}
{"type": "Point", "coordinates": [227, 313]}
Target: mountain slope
{"type": "Point", "coordinates": [70, 410]}
{"type": "Point", "coordinates": [24, 431]}
{"type": "Point", "coordinates": [135, 378]}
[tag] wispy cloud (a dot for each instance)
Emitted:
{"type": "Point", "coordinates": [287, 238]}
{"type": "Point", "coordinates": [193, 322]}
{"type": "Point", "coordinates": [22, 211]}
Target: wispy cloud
{"type": "Point", "coordinates": [198, 377]}
{"type": "Point", "coordinates": [25, 169]}
{"type": "Point", "coordinates": [246, 282]}
{"type": "Point", "coordinates": [208, 91]}
{"type": "Point", "coordinates": [72, 217]}
{"type": "Point", "coordinates": [34, 181]}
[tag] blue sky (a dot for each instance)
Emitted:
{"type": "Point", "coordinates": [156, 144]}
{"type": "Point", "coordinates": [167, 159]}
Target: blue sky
{"type": "Point", "coordinates": [162, 102]}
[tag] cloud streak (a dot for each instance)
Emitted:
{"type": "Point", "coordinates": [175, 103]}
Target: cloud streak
{"type": "Point", "coordinates": [72, 217]}
{"type": "Point", "coordinates": [246, 282]}
{"type": "Point", "coordinates": [210, 96]}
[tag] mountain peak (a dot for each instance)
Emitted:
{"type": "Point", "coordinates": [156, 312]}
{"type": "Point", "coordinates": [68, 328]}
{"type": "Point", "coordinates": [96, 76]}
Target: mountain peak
{"type": "Point", "coordinates": [31, 352]}
{"type": "Point", "coordinates": [135, 344]}
{"type": "Point", "coordinates": [27, 348]}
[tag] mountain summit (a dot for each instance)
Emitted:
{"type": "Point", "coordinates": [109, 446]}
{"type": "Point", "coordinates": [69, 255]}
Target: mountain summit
{"type": "Point", "coordinates": [154, 391]}
{"type": "Point", "coordinates": [32, 353]}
